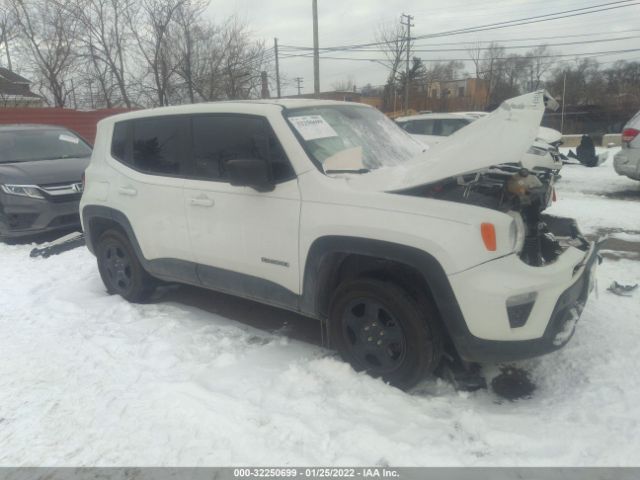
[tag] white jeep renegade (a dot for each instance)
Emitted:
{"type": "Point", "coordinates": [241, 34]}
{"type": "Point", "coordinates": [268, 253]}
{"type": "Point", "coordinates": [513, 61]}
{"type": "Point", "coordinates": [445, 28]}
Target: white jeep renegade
{"type": "Point", "coordinates": [331, 210]}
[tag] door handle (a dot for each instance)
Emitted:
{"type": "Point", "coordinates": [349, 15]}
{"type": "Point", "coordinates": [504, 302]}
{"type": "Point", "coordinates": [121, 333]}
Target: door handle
{"type": "Point", "coordinates": [128, 191]}
{"type": "Point", "coordinates": [201, 201]}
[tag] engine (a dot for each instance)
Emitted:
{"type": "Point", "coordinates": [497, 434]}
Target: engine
{"type": "Point", "coordinates": [508, 188]}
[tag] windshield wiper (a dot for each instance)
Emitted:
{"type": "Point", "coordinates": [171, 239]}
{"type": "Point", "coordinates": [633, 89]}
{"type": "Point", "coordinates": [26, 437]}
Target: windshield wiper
{"type": "Point", "coordinates": [360, 170]}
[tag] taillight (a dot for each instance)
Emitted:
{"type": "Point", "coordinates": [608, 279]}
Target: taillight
{"type": "Point", "coordinates": [488, 232]}
{"type": "Point", "coordinates": [629, 134]}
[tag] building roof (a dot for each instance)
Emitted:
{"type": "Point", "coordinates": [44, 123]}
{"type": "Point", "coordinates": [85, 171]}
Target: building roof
{"type": "Point", "coordinates": [13, 77]}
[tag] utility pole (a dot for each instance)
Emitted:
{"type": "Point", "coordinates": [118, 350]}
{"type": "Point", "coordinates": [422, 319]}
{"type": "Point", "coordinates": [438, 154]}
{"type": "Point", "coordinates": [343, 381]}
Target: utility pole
{"type": "Point", "coordinates": [316, 50]}
{"type": "Point", "coordinates": [564, 92]}
{"type": "Point", "coordinates": [299, 81]}
{"type": "Point", "coordinates": [408, 24]}
{"type": "Point", "coordinates": [275, 46]}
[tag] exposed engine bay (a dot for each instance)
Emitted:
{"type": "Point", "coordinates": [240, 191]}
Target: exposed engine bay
{"type": "Point", "coordinates": [511, 188]}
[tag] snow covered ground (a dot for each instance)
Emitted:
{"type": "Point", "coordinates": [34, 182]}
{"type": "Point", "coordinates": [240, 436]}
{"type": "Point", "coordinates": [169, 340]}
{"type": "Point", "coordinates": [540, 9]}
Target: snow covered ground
{"type": "Point", "coordinates": [88, 379]}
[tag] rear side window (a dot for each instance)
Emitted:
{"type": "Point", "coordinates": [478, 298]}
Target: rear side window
{"type": "Point", "coordinates": [450, 126]}
{"type": "Point", "coordinates": [219, 138]}
{"type": "Point", "coordinates": [158, 145]}
{"type": "Point", "coordinates": [420, 127]}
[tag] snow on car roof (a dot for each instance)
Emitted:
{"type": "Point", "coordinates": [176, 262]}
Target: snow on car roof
{"type": "Point", "coordinates": [256, 107]}
{"type": "Point", "coordinates": [434, 116]}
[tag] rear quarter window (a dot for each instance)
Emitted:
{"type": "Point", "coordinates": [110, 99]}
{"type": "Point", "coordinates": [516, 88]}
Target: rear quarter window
{"type": "Point", "coordinates": [119, 141]}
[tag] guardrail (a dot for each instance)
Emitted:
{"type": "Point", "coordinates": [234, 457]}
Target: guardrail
{"type": "Point", "coordinates": [572, 141]}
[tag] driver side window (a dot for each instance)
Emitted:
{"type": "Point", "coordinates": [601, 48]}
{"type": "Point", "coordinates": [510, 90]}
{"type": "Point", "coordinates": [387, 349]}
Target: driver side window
{"type": "Point", "coordinates": [219, 138]}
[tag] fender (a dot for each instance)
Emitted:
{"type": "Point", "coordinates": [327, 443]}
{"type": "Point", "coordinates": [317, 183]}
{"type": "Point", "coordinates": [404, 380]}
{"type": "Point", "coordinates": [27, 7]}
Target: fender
{"type": "Point", "coordinates": [318, 270]}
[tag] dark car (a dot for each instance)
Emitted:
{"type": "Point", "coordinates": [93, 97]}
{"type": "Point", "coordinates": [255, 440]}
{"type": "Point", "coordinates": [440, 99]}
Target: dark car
{"type": "Point", "coordinates": [41, 169]}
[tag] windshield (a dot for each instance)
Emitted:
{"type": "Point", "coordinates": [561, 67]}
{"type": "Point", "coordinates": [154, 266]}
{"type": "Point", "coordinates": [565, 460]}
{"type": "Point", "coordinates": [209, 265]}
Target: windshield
{"type": "Point", "coordinates": [352, 138]}
{"type": "Point", "coordinates": [37, 144]}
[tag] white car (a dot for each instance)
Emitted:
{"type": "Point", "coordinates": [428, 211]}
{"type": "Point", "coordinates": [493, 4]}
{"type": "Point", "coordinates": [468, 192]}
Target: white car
{"type": "Point", "coordinates": [433, 128]}
{"type": "Point", "coordinates": [330, 210]}
{"type": "Point", "coordinates": [627, 161]}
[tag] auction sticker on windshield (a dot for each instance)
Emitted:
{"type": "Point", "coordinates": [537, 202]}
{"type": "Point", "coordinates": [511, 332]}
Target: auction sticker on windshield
{"type": "Point", "coordinates": [68, 138]}
{"type": "Point", "coordinates": [312, 127]}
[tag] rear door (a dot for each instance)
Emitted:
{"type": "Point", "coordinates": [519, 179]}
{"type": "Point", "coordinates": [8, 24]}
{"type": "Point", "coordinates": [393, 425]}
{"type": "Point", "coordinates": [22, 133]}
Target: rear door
{"type": "Point", "coordinates": [237, 230]}
{"type": "Point", "coordinates": [150, 158]}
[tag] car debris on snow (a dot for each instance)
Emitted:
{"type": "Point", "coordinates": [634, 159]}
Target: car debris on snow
{"type": "Point", "coordinates": [622, 290]}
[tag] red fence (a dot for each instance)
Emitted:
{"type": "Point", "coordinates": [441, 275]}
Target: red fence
{"type": "Point", "coordinates": [82, 122]}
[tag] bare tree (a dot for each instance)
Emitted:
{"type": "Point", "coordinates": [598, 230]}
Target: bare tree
{"type": "Point", "coordinates": [475, 54]}
{"type": "Point", "coordinates": [541, 63]}
{"type": "Point", "coordinates": [347, 85]}
{"type": "Point", "coordinates": [189, 26]}
{"type": "Point", "coordinates": [393, 42]}
{"type": "Point", "coordinates": [105, 41]}
{"type": "Point", "coordinates": [49, 34]}
{"type": "Point", "coordinates": [243, 61]}
{"type": "Point", "coordinates": [8, 31]}
{"type": "Point", "coordinates": [149, 22]}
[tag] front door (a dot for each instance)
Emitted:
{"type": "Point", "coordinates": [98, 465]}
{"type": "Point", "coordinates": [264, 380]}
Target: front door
{"type": "Point", "coordinates": [246, 242]}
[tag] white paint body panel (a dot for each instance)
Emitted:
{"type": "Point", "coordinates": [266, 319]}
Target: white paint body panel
{"type": "Point", "coordinates": [241, 226]}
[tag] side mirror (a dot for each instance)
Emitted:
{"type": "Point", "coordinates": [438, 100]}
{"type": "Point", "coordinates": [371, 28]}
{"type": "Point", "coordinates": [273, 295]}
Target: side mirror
{"type": "Point", "coordinates": [250, 172]}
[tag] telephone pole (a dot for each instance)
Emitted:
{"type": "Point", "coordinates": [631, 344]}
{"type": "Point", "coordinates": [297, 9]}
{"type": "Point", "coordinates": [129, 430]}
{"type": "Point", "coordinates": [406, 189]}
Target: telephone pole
{"type": "Point", "coordinates": [408, 24]}
{"type": "Point", "coordinates": [316, 50]}
{"type": "Point", "coordinates": [299, 81]}
{"type": "Point", "coordinates": [275, 46]}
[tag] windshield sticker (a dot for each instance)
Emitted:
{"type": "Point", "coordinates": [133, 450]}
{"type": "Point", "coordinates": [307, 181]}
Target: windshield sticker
{"type": "Point", "coordinates": [312, 127]}
{"type": "Point", "coordinates": [68, 138]}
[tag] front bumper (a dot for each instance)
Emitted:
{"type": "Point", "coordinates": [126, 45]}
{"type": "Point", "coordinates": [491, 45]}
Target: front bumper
{"type": "Point", "coordinates": [23, 216]}
{"type": "Point", "coordinates": [561, 290]}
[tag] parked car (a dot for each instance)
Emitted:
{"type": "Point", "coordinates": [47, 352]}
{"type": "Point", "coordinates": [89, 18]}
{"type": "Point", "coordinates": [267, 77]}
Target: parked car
{"type": "Point", "coordinates": [40, 179]}
{"type": "Point", "coordinates": [330, 210]}
{"type": "Point", "coordinates": [434, 128]}
{"type": "Point", "coordinates": [627, 160]}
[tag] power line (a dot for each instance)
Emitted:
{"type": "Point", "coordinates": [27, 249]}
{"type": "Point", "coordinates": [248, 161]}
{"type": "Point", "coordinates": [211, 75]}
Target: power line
{"type": "Point", "coordinates": [609, 52]}
{"type": "Point", "coordinates": [498, 25]}
{"type": "Point", "coordinates": [583, 42]}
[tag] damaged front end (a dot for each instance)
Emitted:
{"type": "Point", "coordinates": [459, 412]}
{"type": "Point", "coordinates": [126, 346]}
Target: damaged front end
{"type": "Point", "coordinates": [521, 194]}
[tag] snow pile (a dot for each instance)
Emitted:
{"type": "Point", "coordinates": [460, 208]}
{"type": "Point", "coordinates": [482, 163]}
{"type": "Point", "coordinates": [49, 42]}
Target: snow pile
{"type": "Point", "coordinates": [88, 379]}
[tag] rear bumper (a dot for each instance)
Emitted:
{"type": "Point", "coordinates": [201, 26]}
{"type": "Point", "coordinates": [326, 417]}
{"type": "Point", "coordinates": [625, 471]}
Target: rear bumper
{"type": "Point", "coordinates": [560, 325]}
{"type": "Point", "coordinates": [627, 163]}
{"type": "Point", "coordinates": [23, 216]}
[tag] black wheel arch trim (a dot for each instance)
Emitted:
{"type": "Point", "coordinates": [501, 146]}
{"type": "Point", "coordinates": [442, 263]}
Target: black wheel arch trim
{"type": "Point", "coordinates": [318, 270]}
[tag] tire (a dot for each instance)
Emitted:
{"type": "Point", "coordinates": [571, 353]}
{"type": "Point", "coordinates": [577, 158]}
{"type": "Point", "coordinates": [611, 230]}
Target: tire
{"type": "Point", "coordinates": [379, 328]}
{"type": "Point", "coordinates": [120, 269]}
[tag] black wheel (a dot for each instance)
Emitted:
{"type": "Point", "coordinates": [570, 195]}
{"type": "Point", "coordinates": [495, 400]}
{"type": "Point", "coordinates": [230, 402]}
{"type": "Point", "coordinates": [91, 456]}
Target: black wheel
{"type": "Point", "coordinates": [378, 327]}
{"type": "Point", "coordinates": [120, 268]}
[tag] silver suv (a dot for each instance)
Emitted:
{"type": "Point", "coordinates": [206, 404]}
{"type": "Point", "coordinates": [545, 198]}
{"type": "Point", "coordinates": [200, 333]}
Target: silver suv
{"type": "Point", "coordinates": [627, 161]}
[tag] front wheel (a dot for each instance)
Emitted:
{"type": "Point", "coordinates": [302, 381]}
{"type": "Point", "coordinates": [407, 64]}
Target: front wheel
{"type": "Point", "coordinates": [378, 327]}
{"type": "Point", "coordinates": [120, 268]}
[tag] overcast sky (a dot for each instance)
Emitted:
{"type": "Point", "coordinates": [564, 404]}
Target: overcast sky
{"type": "Point", "coordinates": [344, 22]}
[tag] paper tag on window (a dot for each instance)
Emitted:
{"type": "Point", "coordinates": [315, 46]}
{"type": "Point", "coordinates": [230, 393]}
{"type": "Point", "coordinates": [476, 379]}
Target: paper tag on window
{"type": "Point", "coordinates": [313, 127]}
{"type": "Point", "coordinates": [68, 138]}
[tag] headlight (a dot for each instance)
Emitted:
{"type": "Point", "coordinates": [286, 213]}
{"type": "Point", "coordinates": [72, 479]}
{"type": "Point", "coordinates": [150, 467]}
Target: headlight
{"type": "Point", "coordinates": [537, 151]}
{"type": "Point", "coordinates": [516, 231]}
{"type": "Point", "coordinates": [30, 191]}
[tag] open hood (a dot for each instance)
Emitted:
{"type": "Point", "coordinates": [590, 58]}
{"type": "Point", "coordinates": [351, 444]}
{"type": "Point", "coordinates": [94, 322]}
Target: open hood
{"type": "Point", "coordinates": [500, 137]}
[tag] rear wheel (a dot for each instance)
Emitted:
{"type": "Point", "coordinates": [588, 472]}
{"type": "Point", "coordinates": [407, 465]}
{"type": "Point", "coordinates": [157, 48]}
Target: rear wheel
{"type": "Point", "coordinates": [378, 327]}
{"type": "Point", "coordinates": [120, 268]}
